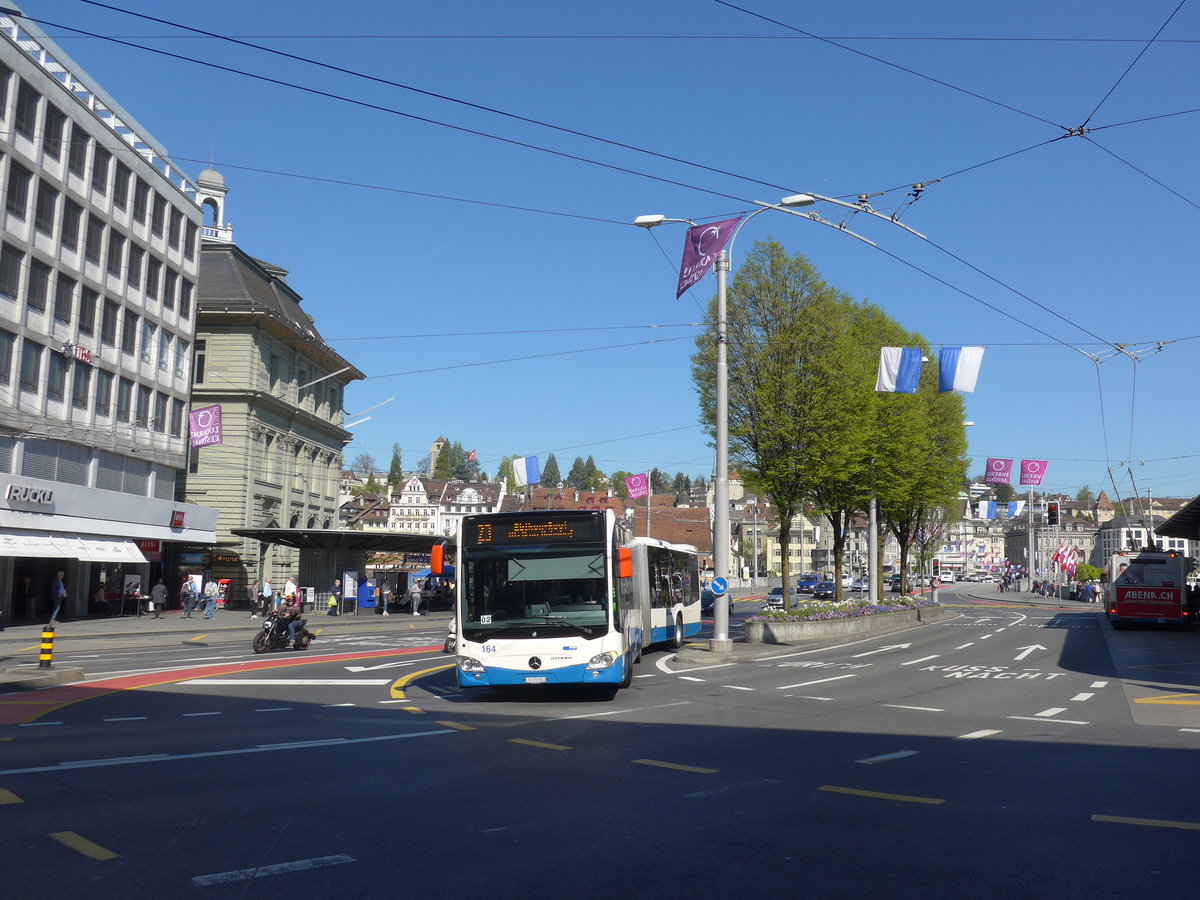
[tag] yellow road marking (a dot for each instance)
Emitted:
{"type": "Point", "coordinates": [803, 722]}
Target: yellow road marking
{"type": "Point", "coordinates": [681, 768]}
{"type": "Point", "coordinates": [457, 725]}
{"type": "Point", "coordinates": [398, 686]}
{"type": "Point", "coordinates": [1171, 700]}
{"type": "Point", "coordinates": [1155, 823]}
{"type": "Point", "coordinates": [83, 845]}
{"type": "Point", "coordinates": [538, 744]}
{"type": "Point", "coordinates": [198, 637]}
{"type": "Point", "coordinates": [412, 709]}
{"type": "Point", "coordinates": [903, 798]}
{"type": "Point", "coordinates": [30, 647]}
{"type": "Point", "coordinates": [8, 797]}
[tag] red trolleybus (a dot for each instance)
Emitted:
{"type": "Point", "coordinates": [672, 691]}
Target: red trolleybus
{"type": "Point", "coordinates": [1148, 586]}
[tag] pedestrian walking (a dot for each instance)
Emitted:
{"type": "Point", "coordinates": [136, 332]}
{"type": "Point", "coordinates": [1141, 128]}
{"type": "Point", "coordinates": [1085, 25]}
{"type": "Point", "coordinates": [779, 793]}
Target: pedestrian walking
{"type": "Point", "coordinates": [187, 598]}
{"type": "Point", "coordinates": [254, 597]}
{"type": "Point", "coordinates": [289, 589]}
{"type": "Point", "coordinates": [210, 599]}
{"type": "Point", "coordinates": [158, 598]}
{"type": "Point", "coordinates": [58, 593]}
{"type": "Point", "coordinates": [268, 598]}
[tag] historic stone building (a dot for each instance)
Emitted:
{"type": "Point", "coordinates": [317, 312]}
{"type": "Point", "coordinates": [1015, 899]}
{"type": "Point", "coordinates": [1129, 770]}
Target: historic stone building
{"type": "Point", "coordinates": [279, 386]}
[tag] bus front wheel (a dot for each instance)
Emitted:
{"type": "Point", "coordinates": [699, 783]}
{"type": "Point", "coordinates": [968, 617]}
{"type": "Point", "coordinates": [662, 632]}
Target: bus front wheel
{"type": "Point", "coordinates": [628, 679]}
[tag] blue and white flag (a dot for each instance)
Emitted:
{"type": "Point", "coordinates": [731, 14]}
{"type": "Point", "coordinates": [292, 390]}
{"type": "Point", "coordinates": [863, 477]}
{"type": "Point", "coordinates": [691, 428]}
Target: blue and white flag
{"type": "Point", "coordinates": [899, 370]}
{"type": "Point", "coordinates": [958, 368]}
{"type": "Point", "coordinates": [986, 509]}
{"type": "Point", "coordinates": [526, 470]}
{"type": "Point", "coordinates": [1015, 507]}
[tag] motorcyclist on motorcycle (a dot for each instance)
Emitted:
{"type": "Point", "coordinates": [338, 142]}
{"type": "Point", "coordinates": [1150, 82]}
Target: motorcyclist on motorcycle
{"type": "Point", "coordinates": [290, 615]}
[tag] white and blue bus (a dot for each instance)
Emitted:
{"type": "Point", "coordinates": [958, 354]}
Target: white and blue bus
{"type": "Point", "coordinates": [554, 597]}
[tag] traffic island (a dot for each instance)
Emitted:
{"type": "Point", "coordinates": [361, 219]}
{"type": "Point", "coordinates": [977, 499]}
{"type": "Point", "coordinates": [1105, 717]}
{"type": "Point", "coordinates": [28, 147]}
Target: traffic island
{"type": "Point", "coordinates": [25, 679]}
{"type": "Point", "coordinates": [782, 631]}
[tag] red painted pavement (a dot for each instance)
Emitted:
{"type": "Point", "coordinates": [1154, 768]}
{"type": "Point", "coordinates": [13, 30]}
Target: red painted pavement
{"type": "Point", "coordinates": [16, 709]}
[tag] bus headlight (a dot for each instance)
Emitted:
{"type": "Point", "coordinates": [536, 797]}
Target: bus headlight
{"type": "Point", "coordinates": [470, 664]}
{"type": "Point", "coordinates": [602, 660]}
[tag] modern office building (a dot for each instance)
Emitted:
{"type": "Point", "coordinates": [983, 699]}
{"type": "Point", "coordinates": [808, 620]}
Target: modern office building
{"type": "Point", "coordinates": [99, 259]}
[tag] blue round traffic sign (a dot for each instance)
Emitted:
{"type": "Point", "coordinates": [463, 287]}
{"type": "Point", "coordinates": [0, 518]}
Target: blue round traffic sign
{"type": "Point", "coordinates": [719, 586]}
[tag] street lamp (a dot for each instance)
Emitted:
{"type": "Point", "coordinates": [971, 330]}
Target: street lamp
{"type": "Point", "coordinates": [721, 640]}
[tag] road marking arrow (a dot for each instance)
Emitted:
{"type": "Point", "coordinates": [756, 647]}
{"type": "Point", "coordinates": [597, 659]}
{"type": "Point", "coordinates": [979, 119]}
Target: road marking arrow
{"type": "Point", "coordinates": [881, 649]}
{"type": "Point", "coordinates": [391, 665]}
{"type": "Point", "coordinates": [1025, 651]}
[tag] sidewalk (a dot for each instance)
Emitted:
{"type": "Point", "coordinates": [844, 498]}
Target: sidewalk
{"type": "Point", "coordinates": [20, 643]}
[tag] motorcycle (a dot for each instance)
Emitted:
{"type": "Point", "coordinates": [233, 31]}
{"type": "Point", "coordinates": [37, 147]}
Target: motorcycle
{"type": "Point", "coordinates": [451, 637]}
{"type": "Point", "coordinates": [276, 638]}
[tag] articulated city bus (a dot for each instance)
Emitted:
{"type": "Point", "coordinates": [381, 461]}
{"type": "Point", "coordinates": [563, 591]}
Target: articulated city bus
{"type": "Point", "coordinates": [557, 597]}
{"type": "Point", "coordinates": [1148, 586]}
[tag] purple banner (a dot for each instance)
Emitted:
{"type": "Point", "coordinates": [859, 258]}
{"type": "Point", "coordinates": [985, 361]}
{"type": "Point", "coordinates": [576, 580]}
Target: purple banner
{"type": "Point", "coordinates": [999, 471]}
{"type": "Point", "coordinates": [205, 426]}
{"type": "Point", "coordinates": [637, 486]}
{"type": "Point", "coordinates": [700, 248]}
{"type": "Point", "coordinates": [1032, 471]}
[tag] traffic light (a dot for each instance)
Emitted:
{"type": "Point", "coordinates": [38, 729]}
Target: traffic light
{"type": "Point", "coordinates": [1051, 513]}
{"type": "Point", "coordinates": [937, 567]}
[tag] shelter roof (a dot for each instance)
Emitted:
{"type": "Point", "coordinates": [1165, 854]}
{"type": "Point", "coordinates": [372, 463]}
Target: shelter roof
{"type": "Point", "coordinates": [332, 539]}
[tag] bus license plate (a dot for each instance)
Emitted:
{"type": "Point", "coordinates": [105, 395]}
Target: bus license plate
{"type": "Point", "coordinates": [535, 679]}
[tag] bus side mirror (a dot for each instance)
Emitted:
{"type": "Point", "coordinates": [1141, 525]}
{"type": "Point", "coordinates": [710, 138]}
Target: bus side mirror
{"type": "Point", "coordinates": [436, 558]}
{"type": "Point", "coordinates": [624, 562]}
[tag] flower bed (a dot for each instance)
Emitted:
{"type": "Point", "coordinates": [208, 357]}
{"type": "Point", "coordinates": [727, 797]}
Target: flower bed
{"type": "Point", "coordinates": [848, 609]}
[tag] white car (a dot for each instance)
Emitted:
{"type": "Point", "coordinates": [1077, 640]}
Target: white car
{"type": "Point", "coordinates": [988, 579]}
{"type": "Point", "coordinates": [946, 577]}
{"type": "Point", "coordinates": [860, 584]}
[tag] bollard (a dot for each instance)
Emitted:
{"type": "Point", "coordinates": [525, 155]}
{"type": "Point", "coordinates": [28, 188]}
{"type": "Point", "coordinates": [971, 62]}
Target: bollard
{"type": "Point", "coordinates": [47, 652]}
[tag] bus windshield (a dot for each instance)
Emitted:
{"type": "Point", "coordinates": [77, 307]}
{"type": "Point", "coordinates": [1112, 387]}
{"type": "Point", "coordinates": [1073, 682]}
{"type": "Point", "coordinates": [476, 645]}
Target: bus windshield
{"type": "Point", "coordinates": [534, 592]}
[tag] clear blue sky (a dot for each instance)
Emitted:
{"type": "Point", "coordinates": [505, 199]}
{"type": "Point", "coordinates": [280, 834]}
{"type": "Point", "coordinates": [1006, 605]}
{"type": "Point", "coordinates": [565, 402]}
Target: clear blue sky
{"type": "Point", "coordinates": [536, 255]}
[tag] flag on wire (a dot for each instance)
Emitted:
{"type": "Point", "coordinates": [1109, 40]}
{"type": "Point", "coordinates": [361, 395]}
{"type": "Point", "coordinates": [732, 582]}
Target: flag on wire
{"type": "Point", "coordinates": [958, 368]}
{"type": "Point", "coordinates": [1032, 471]}
{"type": "Point", "coordinates": [526, 470]}
{"type": "Point", "coordinates": [986, 509]}
{"type": "Point", "coordinates": [999, 471]}
{"type": "Point", "coordinates": [637, 486]}
{"type": "Point", "coordinates": [471, 456]}
{"type": "Point", "coordinates": [1015, 508]}
{"type": "Point", "coordinates": [899, 370]}
{"type": "Point", "coordinates": [701, 245]}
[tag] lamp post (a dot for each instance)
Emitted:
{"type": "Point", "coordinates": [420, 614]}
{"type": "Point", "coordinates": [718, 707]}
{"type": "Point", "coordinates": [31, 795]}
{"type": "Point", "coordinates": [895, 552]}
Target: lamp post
{"type": "Point", "coordinates": [721, 640]}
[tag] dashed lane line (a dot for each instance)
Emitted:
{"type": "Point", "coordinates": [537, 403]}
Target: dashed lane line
{"type": "Point", "coordinates": [82, 845]}
{"type": "Point", "coordinates": [887, 757]}
{"type": "Point", "coordinates": [541, 744]}
{"type": "Point", "coordinates": [879, 795]}
{"type": "Point", "coordinates": [277, 869]}
{"type": "Point", "coordinates": [976, 735]}
{"type": "Point", "coordinates": [788, 687]}
{"type": "Point", "coordinates": [7, 798]}
{"type": "Point", "coordinates": [1153, 823]}
{"type": "Point", "coordinates": [679, 767]}
{"type": "Point", "coordinates": [917, 708]}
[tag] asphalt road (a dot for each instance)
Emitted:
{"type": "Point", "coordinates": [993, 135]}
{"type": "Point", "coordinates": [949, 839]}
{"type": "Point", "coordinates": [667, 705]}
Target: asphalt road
{"type": "Point", "coordinates": [1009, 752]}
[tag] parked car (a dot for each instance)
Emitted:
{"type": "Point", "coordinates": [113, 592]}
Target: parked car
{"type": "Point", "coordinates": [987, 579]}
{"type": "Point", "coordinates": [825, 590]}
{"type": "Point", "coordinates": [894, 584]}
{"type": "Point", "coordinates": [860, 584]}
{"type": "Point", "coordinates": [847, 579]}
{"type": "Point", "coordinates": [946, 577]}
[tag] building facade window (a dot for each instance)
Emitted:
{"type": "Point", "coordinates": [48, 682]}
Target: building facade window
{"type": "Point", "coordinates": [133, 272]}
{"type": "Point", "coordinates": [158, 215]}
{"type": "Point", "coordinates": [53, 128]}
{"type": "Point", "coordinates": [8, 341]}
{"type": "Point", "coordinates": [153, 277]}
{"type": "Point", "coordinates": [31, 366]}
{"type": "Point", "coordinates": [38, 288]}
{"type": "Point", "coordinates": [108, 323]}
{"type": "Point", "coordinates": [124, 399]}
{"type": "Point", "coordinates": [121, 177]}
{"type": "Point", "coordinates": [129, 332]}
{"type": "Point", "coordinates": [141, 415]}
{"type": "Point", "coordinates": [72, 216]}
{"type": "Point", "coordinates": [87, 310]}
{"type": "Point", "coordinates": [149, 336]}
{"type": "Point", "coordinates": [25, 122]}
{"type": "Point", "coordinates": [101, 159]}
{"type": "Point", "coordinates": [81, 385]}
{"type": "Point", "coordinates": [198, 371]}
{"type": "Point", "coordinates": [16, 199]}
{"type": "Point", "coordinates": [116, 253]}
{"type": "Point", "coordinates": [93, 241]}
{"type": "Point", "coordinates": [11, 260]}
{"type": "Point", "coordinates": [64, 298]}
{"type": "Point", "coordinates": [78, 149]}
{"type": "Point", "coordinates": [46, 210]}
{"type": "Point", "coordinates": [56, 383]}
{"type": "Point", "coordinates": [103, 400]}
{"type": "Point", "coordinates": [141, 199]}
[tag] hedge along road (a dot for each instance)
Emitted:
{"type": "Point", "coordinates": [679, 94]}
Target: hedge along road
{"type": "Point", "coordinates": [26, 707]}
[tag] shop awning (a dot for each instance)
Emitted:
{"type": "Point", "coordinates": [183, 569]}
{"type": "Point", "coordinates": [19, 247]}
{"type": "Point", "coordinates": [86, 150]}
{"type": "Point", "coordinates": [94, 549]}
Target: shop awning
{"type": "Point", "coordinates": [53, 545]}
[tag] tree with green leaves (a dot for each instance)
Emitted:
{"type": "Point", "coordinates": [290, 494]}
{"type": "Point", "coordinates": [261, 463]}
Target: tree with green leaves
{"type": "Point", "coordinates": [1085, 495]}
{"type": "Point", "coordinates": [395, 472]}
{"type": "Point", "coordinates": [620, 489]}
{"type": "Point", "coordinates": [504, 474]}
{"type": "Point", "coordinates": [1003, 492]}
{"type": "Point", "coordinates": [659, 482]}
{"type": "Point", "coordinates": [550, 474]}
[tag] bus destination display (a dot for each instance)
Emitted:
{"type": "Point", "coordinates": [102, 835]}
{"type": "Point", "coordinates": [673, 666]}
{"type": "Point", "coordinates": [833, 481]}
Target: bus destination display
{"type": "Point", "coordinates": [549, 530]}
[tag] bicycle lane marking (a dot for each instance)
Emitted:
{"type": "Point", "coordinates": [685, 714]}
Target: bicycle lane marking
{"type": "Point", "coordinates": [22, 709]}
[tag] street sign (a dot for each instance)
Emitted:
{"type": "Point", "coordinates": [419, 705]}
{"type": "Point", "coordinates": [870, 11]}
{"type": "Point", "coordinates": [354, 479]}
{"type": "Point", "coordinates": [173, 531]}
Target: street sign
{"type": "Point", "coordinates": [719, 586]}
